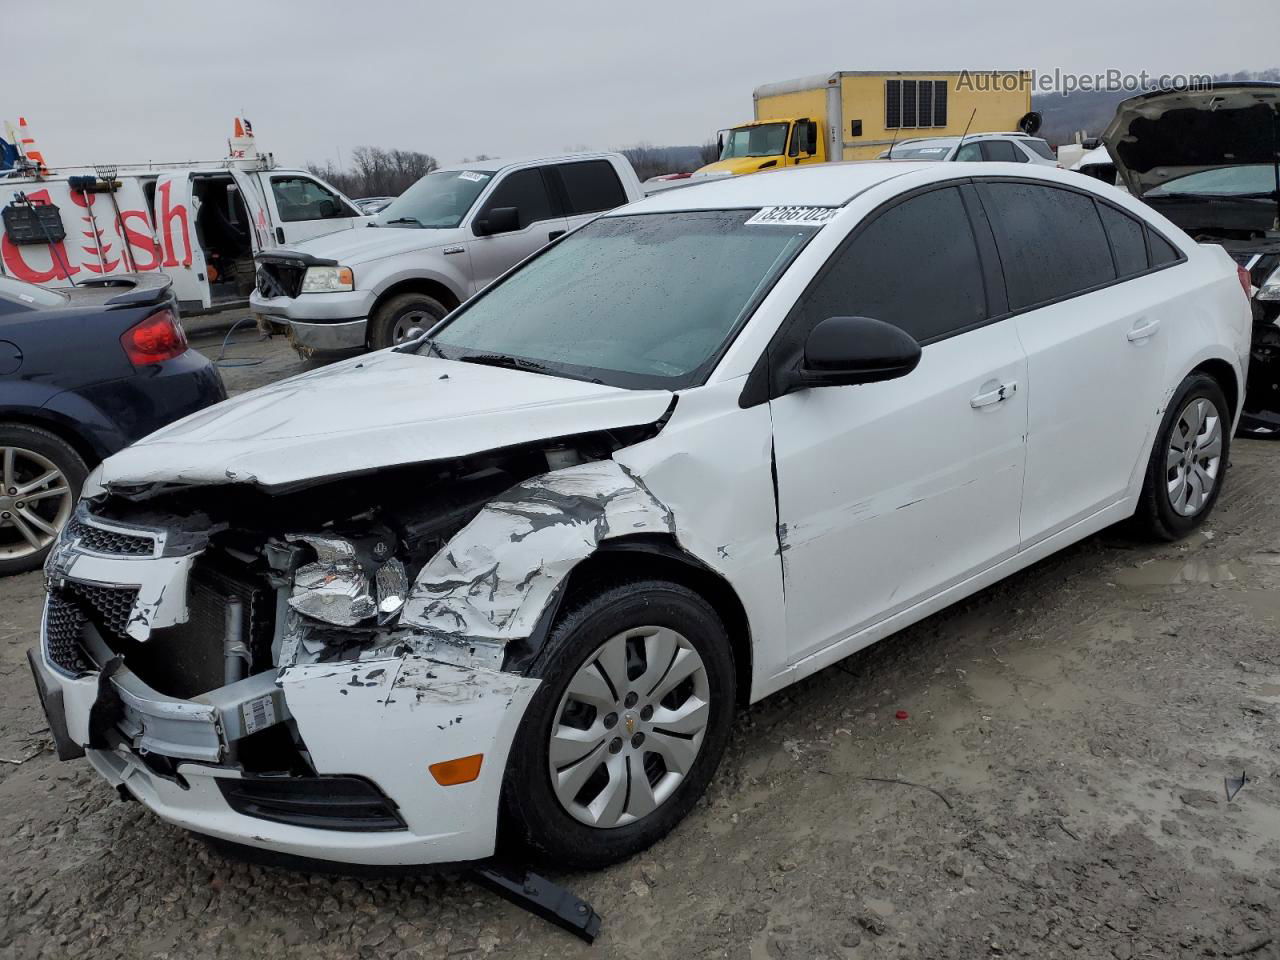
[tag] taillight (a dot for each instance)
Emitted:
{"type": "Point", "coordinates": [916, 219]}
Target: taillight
{"type": "Point", "coordinates": [1245, 281]}
{"type": "Point", "coordinates": [155, 338]}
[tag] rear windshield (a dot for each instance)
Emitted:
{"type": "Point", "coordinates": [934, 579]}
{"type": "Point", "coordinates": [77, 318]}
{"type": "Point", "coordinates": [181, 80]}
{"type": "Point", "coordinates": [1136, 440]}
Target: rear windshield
{"type": "Point", "coordinates": [920, 151]}
{"type": "Point", "coordinates": [28, 294]}
{"type": "Point", "coordinates": [1040, 148]}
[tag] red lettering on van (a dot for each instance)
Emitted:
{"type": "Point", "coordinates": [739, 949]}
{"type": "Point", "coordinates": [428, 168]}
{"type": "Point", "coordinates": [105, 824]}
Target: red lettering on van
{"type": "Point", "coordinates": [60, 267]}
{"type": "Point", "coordinates": [170, 212]}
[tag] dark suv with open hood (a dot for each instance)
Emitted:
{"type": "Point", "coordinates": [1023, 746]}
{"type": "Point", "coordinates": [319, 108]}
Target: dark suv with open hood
{"type": "Point", "coordinates": [1209, 160]}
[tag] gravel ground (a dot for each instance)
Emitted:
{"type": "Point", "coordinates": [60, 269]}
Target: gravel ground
{"type": "Point", "coordinates": [1056, 790]}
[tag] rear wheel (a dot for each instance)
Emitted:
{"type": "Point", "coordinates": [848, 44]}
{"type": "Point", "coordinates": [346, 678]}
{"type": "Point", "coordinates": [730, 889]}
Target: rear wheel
{"type": "Point", "coordinates": [40, 479]}
{"type": "Point", "coordinates": [392, 322]}
{"type": "Point", "coordinates": [1189, 461]}
{"type": "Point", "coordinates": [627, 728]}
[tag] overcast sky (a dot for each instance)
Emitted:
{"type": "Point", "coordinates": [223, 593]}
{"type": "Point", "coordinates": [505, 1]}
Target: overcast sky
{"type": "Point", "coordinates": [162, 79]}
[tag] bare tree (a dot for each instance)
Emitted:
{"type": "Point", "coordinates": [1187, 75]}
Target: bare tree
{"type": "Point", "coordinates": [377, 172]}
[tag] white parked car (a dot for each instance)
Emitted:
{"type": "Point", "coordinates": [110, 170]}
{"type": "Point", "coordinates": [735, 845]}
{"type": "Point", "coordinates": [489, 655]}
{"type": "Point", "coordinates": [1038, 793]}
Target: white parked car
{"type": "Point", "coordinates": [997, 147]}
{"type": "Point", "coordinates": [524, 569]}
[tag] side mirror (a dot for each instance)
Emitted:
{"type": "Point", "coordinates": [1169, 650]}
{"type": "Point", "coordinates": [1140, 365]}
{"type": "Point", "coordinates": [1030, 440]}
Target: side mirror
{"type": "Point", "coordinates": [841, 351]}
{"type": "Point", "coordinates": [328, 208]}
{"type": "Point", "coordinates": [498, 220]}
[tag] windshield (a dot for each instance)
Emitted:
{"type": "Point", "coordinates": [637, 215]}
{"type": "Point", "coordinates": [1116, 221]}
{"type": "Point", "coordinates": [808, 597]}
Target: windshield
{"type": "Point", "coordinates": [1249, 179]}
{"type": "Point", "coordinates": [631, 301]}
{"type": "Point", "coordinates": [766, 140]}
{"type": "Point", "coordinates": [29, 295]}
{"type": "Point", "coordinates": [920, 151]}
{"type": "Point", "coordinates": [439, 199]}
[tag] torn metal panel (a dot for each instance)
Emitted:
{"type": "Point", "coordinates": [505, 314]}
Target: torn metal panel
{"type": "Point", "coordinates": [494, 578]}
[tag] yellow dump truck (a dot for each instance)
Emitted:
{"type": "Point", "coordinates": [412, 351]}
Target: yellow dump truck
{"type": "Point", "coordinates": [856, 115]}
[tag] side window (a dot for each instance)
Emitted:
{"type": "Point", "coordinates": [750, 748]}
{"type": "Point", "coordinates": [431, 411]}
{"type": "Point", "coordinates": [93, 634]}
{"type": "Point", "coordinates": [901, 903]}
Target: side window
{"type": "Point", "coordinates": [969, 152]}
{"type": "Point", "coordinates": [915, 266]}
{"type": "Point", "coordinates": [1162, 251]}
{"type": "Point", "coordinates": [591, 186]}
{"type": "Point", "coordinates": [1127, 240]}
{"type": "Point", "coordinates": [301, 198]}
{"type": "Point", "coordinates": [1001, 150]}
{"type": "Point", "coordinates": [524, 190]}
{"type": "Point", "coordinates": [1051, 241]}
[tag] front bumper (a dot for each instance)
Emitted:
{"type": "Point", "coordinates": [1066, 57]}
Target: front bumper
{"type": "Point", "coordinates": [381, 721]}
{"type": "Point", "coordinates": [319, 321]}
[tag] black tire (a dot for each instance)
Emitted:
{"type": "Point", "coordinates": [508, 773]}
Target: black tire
{"type": "Point", "coordinates": [531, 812]}
{"type": "Point", "coordinates": [392, 315]}
{"type": "Point", "coordinates": [52, 448]}
{"type": "Point", "coordinates": [1156, 516]}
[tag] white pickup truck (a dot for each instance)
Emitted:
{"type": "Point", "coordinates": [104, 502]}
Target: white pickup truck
{"type": "Point", "coordinates": [444, 239]}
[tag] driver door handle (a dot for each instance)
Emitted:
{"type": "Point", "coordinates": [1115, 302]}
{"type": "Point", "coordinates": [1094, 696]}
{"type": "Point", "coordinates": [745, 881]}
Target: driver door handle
{"type": "Point", "coordinates": [1142, 328]}
{"type": "Point", "coordinates": [1000, 393]}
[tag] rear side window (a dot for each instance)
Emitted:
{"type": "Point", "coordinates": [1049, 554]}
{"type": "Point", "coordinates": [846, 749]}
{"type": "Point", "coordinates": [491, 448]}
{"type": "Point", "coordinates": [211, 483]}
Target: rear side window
{"type": "Point", "coordinates": [591, 186]}
{"type": "Point", "coordinates": [524, 190]}
{"type": "Point", "coordinates": [1040, 148]}
{"type": "Point", "coordinates": [915, 266]}
{"type": "Point", "coordinates": [1001, 150]}
{"type": "Point", "coordinates": [1051, 241]}
{"type": "Point", "coordinates": [1162, 251]}
{"type": "Point", "coordinates": [1127, 240]}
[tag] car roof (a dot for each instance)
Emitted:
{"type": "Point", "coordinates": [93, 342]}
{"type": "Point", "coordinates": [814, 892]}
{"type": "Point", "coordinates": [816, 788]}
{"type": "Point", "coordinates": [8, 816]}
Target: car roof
{"type": "Point", "coordinates": [816, 185]}
{"type": "Point", "coordinates": [499, 163]}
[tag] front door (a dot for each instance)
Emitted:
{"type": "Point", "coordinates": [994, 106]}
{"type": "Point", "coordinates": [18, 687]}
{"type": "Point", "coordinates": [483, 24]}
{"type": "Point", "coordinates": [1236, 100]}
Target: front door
{"type": "Point", "coordinates": [1094, 346]}
{"type": "Point", "coordinates": [890, 492]}
{"type": "Point", "coordinates": [540, 221]}
{"type": "Point", "coordinates": [302, 207]}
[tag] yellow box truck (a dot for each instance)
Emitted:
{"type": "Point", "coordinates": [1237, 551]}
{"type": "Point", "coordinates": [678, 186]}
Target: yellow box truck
{"type": "Point", "coordinates": [856, 115]}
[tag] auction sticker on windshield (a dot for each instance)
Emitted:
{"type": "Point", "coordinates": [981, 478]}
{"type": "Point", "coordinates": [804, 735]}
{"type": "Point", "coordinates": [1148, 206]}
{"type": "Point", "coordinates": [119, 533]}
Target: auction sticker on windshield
{"type": "Point", "coordinates": [472, 175]}
{"type": "Point", "coordinates": [814, 216]}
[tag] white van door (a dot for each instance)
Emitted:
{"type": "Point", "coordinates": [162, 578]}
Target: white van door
{"type": "Point", "coordinates": [302, 207]}
{"type": "Point", "coordinates": [181, 257]}
{"type": "Point", "coordinates": [255, 204]}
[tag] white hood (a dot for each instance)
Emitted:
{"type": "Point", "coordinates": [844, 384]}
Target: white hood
{"type": "Point", "coordinates": [364, 244]}
{"type": "Point", "coordinates": [380, 410]}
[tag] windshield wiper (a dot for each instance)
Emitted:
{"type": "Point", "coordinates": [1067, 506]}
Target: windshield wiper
{"type": "Point", "coordinates": [405, 220]}
{"type": "Point", "coordinates": [505, 360]}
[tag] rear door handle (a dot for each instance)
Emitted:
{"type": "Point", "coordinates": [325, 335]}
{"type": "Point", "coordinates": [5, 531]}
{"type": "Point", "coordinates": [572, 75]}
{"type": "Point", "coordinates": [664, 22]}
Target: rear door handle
{"type": "Point", "coordinates": [1142, 329]}
{"type": "Point", "coordinates": [1002, 392]}
{"type": "Point", "coordinates": [553, 234]}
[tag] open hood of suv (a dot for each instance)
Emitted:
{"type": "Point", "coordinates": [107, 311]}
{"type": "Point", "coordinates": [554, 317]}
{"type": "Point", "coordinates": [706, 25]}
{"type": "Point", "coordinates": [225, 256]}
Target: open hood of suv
{"type": "Point", "coordinates": [1156, 137]}
{"type": "Point", "coordinates": [382, 410]}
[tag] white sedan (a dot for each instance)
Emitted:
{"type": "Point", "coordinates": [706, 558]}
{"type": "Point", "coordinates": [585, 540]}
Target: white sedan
{"type": "Point", "coordinates": [524, 569]}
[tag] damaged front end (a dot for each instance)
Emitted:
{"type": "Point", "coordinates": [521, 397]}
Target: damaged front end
{"type": "Point", "coordinates": [290, 668]}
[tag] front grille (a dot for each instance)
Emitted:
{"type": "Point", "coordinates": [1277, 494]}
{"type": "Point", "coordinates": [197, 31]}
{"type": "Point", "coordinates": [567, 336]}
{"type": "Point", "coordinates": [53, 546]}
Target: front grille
{"type": "Point", "coordinates": [279, 279]}
{"type": "Point", "coordinates": [109, 607]}
{"type": "Point", "coordinates": [101, 540]}
{"type": "Point", "coordinates": [63, 623]}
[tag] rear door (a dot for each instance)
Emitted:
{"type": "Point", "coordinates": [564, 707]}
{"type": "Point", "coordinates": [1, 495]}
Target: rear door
{"type": "Point", "coordinates": [1094, 349]}
{"type": "Point", "coordinates": [180, 255]}
{"type": "Point", "coordinates": [540, 221]}
{"type": "Point", "coordinates": [302, 207]}
{"type": "Point", "coordinates": [254, 194]}
{"type": "Point", "coordinates": [588, 187]}
{"type": "Point", "coordinates": [889, 493]}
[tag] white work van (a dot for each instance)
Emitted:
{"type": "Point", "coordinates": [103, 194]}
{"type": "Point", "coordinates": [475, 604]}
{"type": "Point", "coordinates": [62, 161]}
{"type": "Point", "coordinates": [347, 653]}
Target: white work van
{"type": "Point", "coordinates": [201, 223]}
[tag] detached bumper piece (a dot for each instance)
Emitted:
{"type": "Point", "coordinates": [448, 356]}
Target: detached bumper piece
{"type": "Point", "coordinates": [540, 897]}
{"type": "Point", "coordinates": [323, 803]}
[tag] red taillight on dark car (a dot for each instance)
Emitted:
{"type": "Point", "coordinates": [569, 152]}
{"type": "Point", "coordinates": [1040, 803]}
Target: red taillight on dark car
{"type": "Point", "coordinates": [154, 339]}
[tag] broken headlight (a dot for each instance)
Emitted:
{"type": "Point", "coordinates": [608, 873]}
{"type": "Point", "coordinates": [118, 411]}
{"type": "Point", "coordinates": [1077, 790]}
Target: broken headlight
{"type": "Point", "coordinates": [344, 588]}
{"type": "Point", "coordinates": [327, 280]}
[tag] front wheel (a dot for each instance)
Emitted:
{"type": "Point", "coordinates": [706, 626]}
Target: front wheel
{"type": "Point", "coordinates": [397, 320]}
{"type": "Point", "coordinates": [1189, 461]}
{"type": "Point", "coordinates": [627, 728]}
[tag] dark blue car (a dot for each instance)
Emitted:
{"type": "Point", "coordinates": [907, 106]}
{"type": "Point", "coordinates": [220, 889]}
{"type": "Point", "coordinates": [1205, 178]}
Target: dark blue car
{"type": "Point", "coordinates": [84, 372]}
